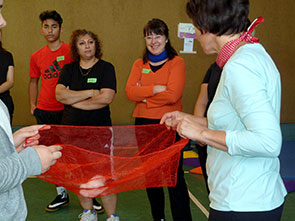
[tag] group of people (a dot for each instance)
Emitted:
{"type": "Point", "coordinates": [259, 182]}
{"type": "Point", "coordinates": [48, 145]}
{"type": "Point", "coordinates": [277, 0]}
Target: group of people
{"type": "Point", "coordinates": [236, 118]}
{"type": "Point", "coordinates": [77, 87]}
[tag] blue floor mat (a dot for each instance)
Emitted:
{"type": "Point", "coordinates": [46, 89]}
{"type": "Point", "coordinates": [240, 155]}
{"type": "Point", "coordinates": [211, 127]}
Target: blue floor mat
{"type": "Point", "coordinates": [287, 160]}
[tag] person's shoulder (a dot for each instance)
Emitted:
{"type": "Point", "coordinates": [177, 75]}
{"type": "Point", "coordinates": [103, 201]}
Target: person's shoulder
{"type": "Point", "coordinates": [251, 52]}
{"type": "Point", "coordinates": [101, 61]}
{"type": "Point", "coordinates": [39, 51]}
{"type": "Point", "coordinates": [138, 62]}
{"type": "Point", "coordinates": [177, 60]}
{"type": "Point", "coordinates": [43, 49]}
{"type": "Point", "coordinates": [65, 46]}
{"type": "Point", "coordinates": [214, 68]}
{"type": "Point", "coordinates": [104, 63]}
{"type": "Point", "coordinates": [5, 53]}
{"type": "Point", "coordinates": [249, 60]}
{"type": "Point", "coordinates": [73, 64]}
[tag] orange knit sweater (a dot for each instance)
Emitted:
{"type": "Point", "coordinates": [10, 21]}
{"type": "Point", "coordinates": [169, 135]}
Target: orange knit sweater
{"type": "Point", "coordinates": [141, 83]}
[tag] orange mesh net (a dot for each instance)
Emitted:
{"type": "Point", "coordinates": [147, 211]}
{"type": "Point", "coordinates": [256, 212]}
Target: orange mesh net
{"type": "Point", "coordinates": [128, 157]}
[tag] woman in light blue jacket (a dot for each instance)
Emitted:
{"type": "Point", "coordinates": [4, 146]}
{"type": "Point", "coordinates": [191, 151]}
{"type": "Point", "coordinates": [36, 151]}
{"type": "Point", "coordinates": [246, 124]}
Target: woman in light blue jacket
{"type": "Point", "coordinates": [242, 130]}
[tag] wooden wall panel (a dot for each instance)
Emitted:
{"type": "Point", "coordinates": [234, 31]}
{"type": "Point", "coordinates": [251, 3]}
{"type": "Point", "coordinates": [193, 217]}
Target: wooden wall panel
{"type": "Point", "coordinates": [119, 25]}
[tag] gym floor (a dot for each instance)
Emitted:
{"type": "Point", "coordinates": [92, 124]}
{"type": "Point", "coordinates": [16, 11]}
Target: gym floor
{"type": "Point", "coordinates": [132, 205]}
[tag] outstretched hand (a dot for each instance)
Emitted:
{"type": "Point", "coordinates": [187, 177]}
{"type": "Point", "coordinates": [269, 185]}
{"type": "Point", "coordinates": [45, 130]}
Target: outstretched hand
{"type": "Point", "coordinates": [48, 155]}
{"type": "Point", "coordinates": [31, 132]}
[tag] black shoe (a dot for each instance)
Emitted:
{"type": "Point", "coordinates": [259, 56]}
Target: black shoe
{"type": "Point", "coordinates": [97, 206]}
{"type": "Point", "coordinates": [58, 202]}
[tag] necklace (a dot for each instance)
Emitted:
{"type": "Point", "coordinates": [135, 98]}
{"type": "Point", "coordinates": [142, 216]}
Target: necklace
{"type": "Point", "coordinates": [84, 74]}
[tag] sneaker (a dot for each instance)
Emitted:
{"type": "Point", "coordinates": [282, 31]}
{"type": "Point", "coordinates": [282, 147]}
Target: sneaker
{"type": "Point", "coordinates": [113, 217]}
{"type": "Point", "coordinates": [59, 201]}
{"type": "Point", "coordinates": [97, 206]}
{"type": "Point", "coordinates": [87, 215]}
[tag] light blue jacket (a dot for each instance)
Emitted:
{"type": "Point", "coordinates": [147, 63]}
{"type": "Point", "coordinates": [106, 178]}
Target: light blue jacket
{"type": "Point", "coordinates": [247, 107]}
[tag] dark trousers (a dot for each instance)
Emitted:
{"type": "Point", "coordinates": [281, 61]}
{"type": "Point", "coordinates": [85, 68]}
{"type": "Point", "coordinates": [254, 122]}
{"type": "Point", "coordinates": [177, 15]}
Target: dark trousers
{"type": "Point", "coordinates": [7, 100]}
{"type": "Point", "coordinates": [48, 117]}
{"type": "Point", "coordinates": [272, 215]}
{"type": "Point", "coordinates": [202, 152]}
{"type": "Point", "coordinates": [179, 198]}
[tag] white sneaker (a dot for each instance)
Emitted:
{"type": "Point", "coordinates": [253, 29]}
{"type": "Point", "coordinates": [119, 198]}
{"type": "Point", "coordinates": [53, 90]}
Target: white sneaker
{"type": "Point", "coordinates": [113, 217]}
{"type": "Point", "coordinates": [87, 215]}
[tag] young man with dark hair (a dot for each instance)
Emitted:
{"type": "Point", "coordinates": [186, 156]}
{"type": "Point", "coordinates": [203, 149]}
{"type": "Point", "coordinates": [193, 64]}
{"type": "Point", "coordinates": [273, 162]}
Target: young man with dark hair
{"type": "Point", "coordinates": [47, 63]}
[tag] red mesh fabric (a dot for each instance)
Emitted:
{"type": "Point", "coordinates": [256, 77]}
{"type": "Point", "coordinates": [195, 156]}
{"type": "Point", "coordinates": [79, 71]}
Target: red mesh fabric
{"type": "Point", "coordinates": [128, 157]}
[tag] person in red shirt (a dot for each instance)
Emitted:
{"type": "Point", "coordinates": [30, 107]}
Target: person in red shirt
{"type": "Point", "coordinates": [46, 64]}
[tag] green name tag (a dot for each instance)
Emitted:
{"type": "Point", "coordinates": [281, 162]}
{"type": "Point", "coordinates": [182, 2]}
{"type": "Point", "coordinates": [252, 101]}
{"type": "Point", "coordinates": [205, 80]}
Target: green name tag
{"type": "Point", "coordinates": [60, 58]}
{"type": "Point", "coordinates": [91, 80]}
{"type": "Point", "coordinates": [145, 71]}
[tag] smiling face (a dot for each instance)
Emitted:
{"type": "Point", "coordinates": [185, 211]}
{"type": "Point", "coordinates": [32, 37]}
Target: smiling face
{"type": "Point", "coordinates": [2, 20]}
{"type": "Point", "coordinates": [155, 43]}
{"type": "Point", "coordinates": [51, 30]}
{"type": "Point", "coordinates": [86, 46]}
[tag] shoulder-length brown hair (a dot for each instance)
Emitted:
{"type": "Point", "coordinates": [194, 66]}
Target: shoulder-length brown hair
{"type": "Point", "coordinates": [158, 27]}
{"type": "Point", "coordinates": [73, 42]}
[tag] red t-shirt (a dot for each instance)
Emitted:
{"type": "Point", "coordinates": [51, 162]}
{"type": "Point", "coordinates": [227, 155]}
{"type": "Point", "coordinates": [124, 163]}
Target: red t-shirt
{"type": "Point", "coordinates": [48, 64]}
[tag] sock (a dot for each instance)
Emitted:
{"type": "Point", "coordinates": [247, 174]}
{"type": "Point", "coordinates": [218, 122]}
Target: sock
{"type": "Point", "coordinates": [90, 210]}
{"type": "Point", "coordinates": [61, 191]}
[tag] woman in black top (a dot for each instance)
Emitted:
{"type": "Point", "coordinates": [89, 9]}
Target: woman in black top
{"type": "Point", "coordinates": [6, 78]}
{"type": "Point", "coordinates": [87, 86]}
{"type": "Point", "coordinates": [206, 95]}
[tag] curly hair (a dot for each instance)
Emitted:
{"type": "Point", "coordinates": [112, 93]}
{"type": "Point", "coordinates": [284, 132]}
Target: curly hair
{"type": "Point", "coordinates": [158, 27]}
{"type": "Point", "coordinates": [220, 17]}
{"type": "Point", "coordinates": [51, 15]}
{"type": "Point", "coordinates": [73, 43]}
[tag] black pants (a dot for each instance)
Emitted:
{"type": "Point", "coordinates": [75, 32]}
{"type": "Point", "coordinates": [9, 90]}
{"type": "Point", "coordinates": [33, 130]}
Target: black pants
{"type": "Point", "coordinates": [48, 117]}
{"type": "Point", "coordinates": [179, 199]}
{"type": "Point", "coordinates": [7, 100]}
{"type": "Point", "coordinates": [272, 215]}
{"type": "Point", "coordinates": [202, 152]}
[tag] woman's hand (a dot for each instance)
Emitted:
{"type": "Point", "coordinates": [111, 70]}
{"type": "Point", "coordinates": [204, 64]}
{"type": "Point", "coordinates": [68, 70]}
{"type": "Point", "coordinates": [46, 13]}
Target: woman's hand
{"type": "Point", "coordinates": [93, 187]}
{"type": "Point", "coordinates": [159, 88]}
{"type": "Point", "coordinates": [31, 132]}
{"type": "Point", "coordinates": [187, 126]}
{"type": "Point", "coordinates": [48, 155]}
{"type": "Point", "coordinates": [190, 127]}
{"type": "Point", "coordinates": [172, 119]}
{"type": "Point", "coordinates": [95, 92]}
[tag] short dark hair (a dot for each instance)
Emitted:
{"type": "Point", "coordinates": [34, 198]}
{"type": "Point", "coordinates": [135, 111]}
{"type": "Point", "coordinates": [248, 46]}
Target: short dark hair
{"type": "Point", "coordinates": [158, 27]}
{"type": "Point", "coordinates": [51, 15]}
{"type": "Point", "coordinates": [73, 42]}
{"type": "Point", "coordinates": [220, 17]}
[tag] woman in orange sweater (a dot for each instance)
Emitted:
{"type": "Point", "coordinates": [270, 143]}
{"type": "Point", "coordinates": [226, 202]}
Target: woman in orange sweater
{"type": "Point", "coordinates": [156, 84]}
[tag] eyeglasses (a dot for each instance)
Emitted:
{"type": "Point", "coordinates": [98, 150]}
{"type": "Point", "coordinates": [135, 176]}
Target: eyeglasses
{"type": "Point", "coordinates": [153, 37]}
